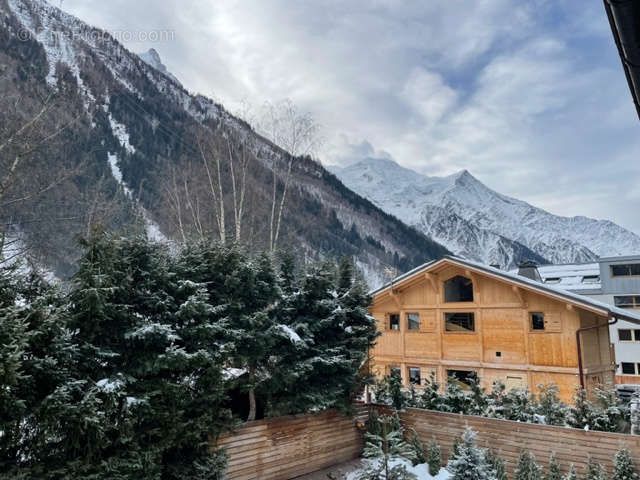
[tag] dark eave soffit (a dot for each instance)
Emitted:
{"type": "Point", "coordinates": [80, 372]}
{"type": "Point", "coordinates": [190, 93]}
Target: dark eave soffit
{"type": "Point", "coordinates": [624, 18]}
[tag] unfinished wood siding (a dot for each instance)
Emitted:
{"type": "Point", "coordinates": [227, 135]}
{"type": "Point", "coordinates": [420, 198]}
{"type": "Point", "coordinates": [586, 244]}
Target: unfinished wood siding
{"type": "Point", "coordinates": [503, 345]}
{"type": "Point", "coordinates": [507, 439]}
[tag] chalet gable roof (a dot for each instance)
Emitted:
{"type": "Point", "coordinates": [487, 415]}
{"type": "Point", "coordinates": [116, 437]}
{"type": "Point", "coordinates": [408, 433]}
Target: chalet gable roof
{"type": "Point", "coordinates": [572, 298]}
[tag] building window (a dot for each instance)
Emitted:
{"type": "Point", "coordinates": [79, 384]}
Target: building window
{"type": "Point", "coordinates": [459, 322]}
{"type": "Point", "coordinates": [628, 335]}
{"type": "Point", "coordinates": [413, 321]}
{"type": "Point", "coordinates": [627, 301]}
{"type": "Point", "coordinates": [625, 270]}
{"type": "Point", "coordinates": [464, 378]}
{"type": "Point", "coordinates": [414, 375]}
{"type": "Point", "coordinates": [552, 280]}
{"type": "Point", "coordinates": [537, 321]}
{"type": "Point", "coordinates": [458, 289]}
{"type": "Point", "coordinates": [394, 321]}
{"type": "Point", "coordinates": [624, 335]}
{"type": "Point", "coordinates": [629, 368]}
{"type": "Point", "coordinates": [394, 370]}
{"type": "Point", "coordinates": [591, 279]}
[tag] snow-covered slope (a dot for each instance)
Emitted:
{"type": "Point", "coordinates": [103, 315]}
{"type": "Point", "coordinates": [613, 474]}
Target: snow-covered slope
{"type": "Point", "coordinates": [152, 57]}
{"type": "Point", "coordinates": [478, 223]}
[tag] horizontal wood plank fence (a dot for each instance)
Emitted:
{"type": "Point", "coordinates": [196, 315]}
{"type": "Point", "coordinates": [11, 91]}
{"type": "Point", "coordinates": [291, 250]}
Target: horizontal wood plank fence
{"type": "Point", "coordinates": [507, 439]}
{"type": "Point", "coordinates": [286, 447]}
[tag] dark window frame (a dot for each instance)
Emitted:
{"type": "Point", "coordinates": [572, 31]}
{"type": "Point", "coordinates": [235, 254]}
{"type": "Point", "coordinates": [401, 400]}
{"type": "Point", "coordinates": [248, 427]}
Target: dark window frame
{"type": "Point", "coordinates": [633, 365]}
{"type": "Point", "coordinates": [627, 330]}
{"type": "Point", "coordinates": [409, 320]}
{"type": "Point", "coordinates": [411, 377]}
{"type": "Point", "coordinates": [448, 320]}
{"type": "Point", "coordinates": [534, 323]}
{"type": "Point", "coordinates": [626, 301]}
{"type": "Point", "coordinates": [396, 322]}
{"type": "Point", "coordinates": [464, 292]}
{"type": "Point", "coordinates": [625, 270]}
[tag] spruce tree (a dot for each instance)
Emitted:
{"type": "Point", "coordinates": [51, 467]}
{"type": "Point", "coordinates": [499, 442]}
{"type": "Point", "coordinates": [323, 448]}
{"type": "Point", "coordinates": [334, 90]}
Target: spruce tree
{"type": "Point", "coordinates": [497, 466]}
{"type": "Point", "coordinates": [434, 458]}
{"type": "Point", "coordinates": [455, 400]}
{"type": "Point", "coordinates": [623, 467]}
{"type": "Point", "coordinates": [396, 393]}
{"type": "Point", "coordinates": [420, 455]}
{"type": "Point", "coordinates": [527, 468]}
{"type": "Point", "coordinates": [553, 470]}
{"type": "Point", "coordinates": [470, 461]}
{"type": "Point", "coordinates": [571, 474]}
{"type": "Point", "coordinates": [431, 398]}
{"type": "Point", "coordinates": [551, 410]}
{"type": "Point", "coordinates": [595, 471]}
{"type": "Point", "coordinates": [385, 447]}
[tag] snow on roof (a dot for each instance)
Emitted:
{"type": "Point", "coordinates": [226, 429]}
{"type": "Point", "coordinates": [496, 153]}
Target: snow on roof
{"type": "Point", "coordinates": [581, 276]}
{"type": "Point", "coordinates": [575, 297]}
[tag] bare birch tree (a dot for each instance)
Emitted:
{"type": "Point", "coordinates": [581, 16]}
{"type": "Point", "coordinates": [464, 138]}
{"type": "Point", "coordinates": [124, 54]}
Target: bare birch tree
{"type": "Point", "coordinates": [298, 134]}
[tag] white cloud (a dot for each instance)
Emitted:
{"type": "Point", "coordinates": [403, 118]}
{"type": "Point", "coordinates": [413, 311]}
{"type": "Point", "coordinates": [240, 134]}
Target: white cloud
{"type": "Point", "coordinates": [529, 96]}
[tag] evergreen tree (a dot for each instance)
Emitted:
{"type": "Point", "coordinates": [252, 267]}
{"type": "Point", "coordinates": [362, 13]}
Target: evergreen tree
{"type": "Point", "coordinates": [496, 400]}
{"type": "Point", "coordinates": [612, 411]}
{"type": "Point", "coordinates": [455, 400]}
{"type": "Point", "coordinates": [497, 466]}
{"type": "Point", "coordinates": [385, 447]}
{"type": "Point", "coordinates": [434, 458]}
{"type": "Point", "coordinates": [595, 471]}
{"type": "Point", "coordinates": [396, 394]}
{"type": "Point", "coordinates": [412, 396]}
{"type": "Point", "coordinates": [519, 406]}
{"type": "Point", "coordinates": [420, 455]}
{"type": "Point", "coordinates": [553, 471]}
{"type": "Point", "coordinates": [470, 461]}
{"type": "Point", "coordinates": [571, 474]}
{"type": "Point", "coordinates": [479, 402]}
{"type": "Point", "coordinates": [431, 398]}
{"type": "Point", "coordinates": [623, 467]}
{"type": "Point", "coordinates": [582, 414]}
{"type": "Point", "coordinates": [527, 468]}
{"type": "Point", "coordinates": [551, 410]}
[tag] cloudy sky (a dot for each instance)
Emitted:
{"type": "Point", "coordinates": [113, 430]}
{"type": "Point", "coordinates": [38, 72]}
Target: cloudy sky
{"type": "Point", "coordinates": [530, 97]}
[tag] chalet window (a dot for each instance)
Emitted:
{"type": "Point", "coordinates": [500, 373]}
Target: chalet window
{"type": "Point", "coordinates": [537, 321]}
{"type": "Point", "coordinates": [394, 321]}
{"type": "Point", "coordinates": [394, 370]}
{"type": "Point", "coordinates": [624, 335]}
{"type": "Point", "coordinates": [413, 321]}
{"type": "Point", "coordinates": [464, 378]}
{"type": "Point", "coordinates": [629, 368]}
{"type": "Point", "coordinates": [459, 322]}
{"type": "Point", "coordinates": [625, 270]}
{"type": "Point", "coordinates": [414, 375]}
{"type": "Point", "coordinates": [458, 289]}
{"type": "Point", "coordinates": [552, 280]}
{"type": "Point", "coordinates": [627, 301]}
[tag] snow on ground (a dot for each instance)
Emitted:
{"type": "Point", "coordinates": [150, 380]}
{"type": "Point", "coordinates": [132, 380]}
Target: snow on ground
{"type": "Point", "coordinates": [421, 471]}
{"type": "Point", "coordinates": [120, 131]}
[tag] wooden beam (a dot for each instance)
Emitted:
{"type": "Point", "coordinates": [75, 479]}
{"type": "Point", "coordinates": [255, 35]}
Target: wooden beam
{"type": "Point", "coordinates": [520, 294]}
{"type": "Point", "coordinates": [433, 280]}
{"type": "Point", "coordinates": [569, 307]}
{"type": "Point", "coordinates": [394, 297]}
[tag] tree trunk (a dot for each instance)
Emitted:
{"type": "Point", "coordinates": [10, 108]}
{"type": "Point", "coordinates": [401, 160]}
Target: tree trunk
{"type": "Point", "coordinates": [252, 395]}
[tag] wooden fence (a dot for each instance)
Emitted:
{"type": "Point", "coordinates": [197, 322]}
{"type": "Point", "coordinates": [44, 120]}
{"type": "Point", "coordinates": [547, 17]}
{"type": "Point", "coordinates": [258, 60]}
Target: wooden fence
{"type": "Point", "coordinates": [286, 447]}
{"type": "Point", "coordinates": [507, 439]}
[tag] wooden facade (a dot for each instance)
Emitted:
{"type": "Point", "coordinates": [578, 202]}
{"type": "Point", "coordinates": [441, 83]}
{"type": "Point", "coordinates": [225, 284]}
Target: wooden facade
{"type": "Point", "coordinates": [509, 330]}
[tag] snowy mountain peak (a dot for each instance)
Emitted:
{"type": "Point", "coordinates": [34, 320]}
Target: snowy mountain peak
{"type": "Point", "coordinates": [152, 58]}
{"type": "Point", "coordinates": [476, 222]}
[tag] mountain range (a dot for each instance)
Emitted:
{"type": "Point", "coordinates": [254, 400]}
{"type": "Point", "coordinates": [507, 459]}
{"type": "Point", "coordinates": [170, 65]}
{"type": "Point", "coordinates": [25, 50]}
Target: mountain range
{"type": "Point", "coordinates": [122, 144]}
{"type": "Point", "coordinates": [479, 223]}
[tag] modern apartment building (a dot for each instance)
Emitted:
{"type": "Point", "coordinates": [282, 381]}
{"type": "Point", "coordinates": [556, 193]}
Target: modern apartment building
{"type": "Point", "coordinates": [616, 281]}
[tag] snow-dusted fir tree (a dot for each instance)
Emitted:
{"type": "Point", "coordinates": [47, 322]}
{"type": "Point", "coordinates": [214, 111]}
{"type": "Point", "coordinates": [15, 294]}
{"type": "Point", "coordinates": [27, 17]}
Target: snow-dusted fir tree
{"type": "Point", "coordinates": [469, 463]}
{"type": "Point", "coordinates": [420, 453]}
{"type": "Point", "coordinates": [455, 400]}
{"type": "Point", "coordinates": [431, 399]}
{"type": "Point", "coordinates": [496, 400]}
{"type": "Point", "coordinates": [582, 413]}
{"type": "Point", "coordinates": [434, 458]}
{"type": "Point", "coordinates": [571, 473]}
{"type": "Point", "coordinates": [623, 467]}
{"type": "Point", "coordinates": [384, 443]}
{"type": "Point", "coordinates": [519, 406]}
{"type": "Point", "coordinates": [527, 468]}
{"type": "Point", "coordinates": [595, 471]}
{"type": "Point", "coordinates": [550, 410]}
{"type": "Point", "coordinates": [553, 470]}
{"type": "Point", "coordinates": [497, 465]}
{"type": "Point", "coordinates": [396, 392]}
